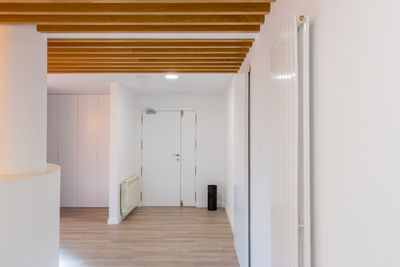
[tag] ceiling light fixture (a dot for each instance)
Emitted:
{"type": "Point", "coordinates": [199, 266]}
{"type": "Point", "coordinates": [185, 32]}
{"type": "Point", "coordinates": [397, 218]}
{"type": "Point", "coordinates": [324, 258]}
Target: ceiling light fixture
{"type": "Point", "coordinates": [171, 76]}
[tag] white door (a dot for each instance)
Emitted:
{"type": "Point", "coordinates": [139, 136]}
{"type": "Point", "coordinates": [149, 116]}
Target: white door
{"type": "Point", "coordinates": [168, 158]}
{"type": "Point", "coordinates": [161, 159]}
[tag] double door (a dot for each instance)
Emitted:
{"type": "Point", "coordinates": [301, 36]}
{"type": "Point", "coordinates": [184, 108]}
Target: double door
{"type": "Point", "coordinates": [169, 158]}
{"type": "Point", "coordinates": [78, 141]}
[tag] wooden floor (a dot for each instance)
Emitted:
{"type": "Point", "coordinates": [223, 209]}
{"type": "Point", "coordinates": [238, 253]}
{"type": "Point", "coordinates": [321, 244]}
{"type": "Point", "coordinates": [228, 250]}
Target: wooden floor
{"type": "Point", "coordinates": [150, 237]}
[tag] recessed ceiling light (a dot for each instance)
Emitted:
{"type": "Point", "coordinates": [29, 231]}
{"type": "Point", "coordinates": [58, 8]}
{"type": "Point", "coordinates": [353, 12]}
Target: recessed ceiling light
{"type": "Point", "coordinates": [171, 76]}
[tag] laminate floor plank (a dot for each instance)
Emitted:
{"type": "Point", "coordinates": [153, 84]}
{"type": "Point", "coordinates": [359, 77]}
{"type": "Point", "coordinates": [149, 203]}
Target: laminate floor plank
{"type": "Point", "coordinates": [148, 237]}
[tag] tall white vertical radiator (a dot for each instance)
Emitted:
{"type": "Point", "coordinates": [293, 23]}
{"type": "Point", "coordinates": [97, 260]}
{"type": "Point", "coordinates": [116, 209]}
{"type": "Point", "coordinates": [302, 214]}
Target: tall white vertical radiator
{"type": "Point", "coordinates": [291, 151]}
{"type": "Point", "coordinates": [130, 194]}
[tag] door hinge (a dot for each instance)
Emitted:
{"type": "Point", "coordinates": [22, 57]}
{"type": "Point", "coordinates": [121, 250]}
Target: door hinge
{"type": "Point", "coordinates": [195, 196]}
{"type": "Point", "coordinates": [141, 196]}
{"type": "Point", "coordinates": [195, 170]}
{"type": "Point", "coordinates": [182, 113]}
{"type": "Point", "coordinates": [141, 170]}
{"type": "Point", "coordinates": [195, 144]}
{"type": "Point", "coordinates": [195, 118]}
{"type": "Point", "coordinates": [181, 203]}
{"type": "Point", "coordinates": [141, 144]}
{"type": "Point", "coordinates": [141, 119]}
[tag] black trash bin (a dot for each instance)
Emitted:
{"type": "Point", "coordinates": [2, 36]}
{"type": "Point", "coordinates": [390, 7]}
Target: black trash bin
{"type": "Point", "coordinates": [212, 197]}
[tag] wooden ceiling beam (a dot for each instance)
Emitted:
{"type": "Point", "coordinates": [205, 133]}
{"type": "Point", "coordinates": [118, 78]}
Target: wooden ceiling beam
{"type": "Point", "coordinates": [144, 60]}
{"type": "Point", "coordinates": [243, 8]}
{"type": "Point", "coordinates": [172, 64]}
{"type": "Point", "coordinates": [138, 55]}
{"type": "Point", "coordinates": [177, 44]}
{"type": "Point", "coordinates": [135, 1]}
{"type": "Point", "coordinates": [147, 28]}
{"type": "Point", "coordinates": [140, 71]}
{"type": "Point", "coordinates": [149, 40]}
{"type": "Point", "coordinates": [145, 68]}
{"type": "Point", "coordinates": [203, 50]}
{"type": "Point", "coordinates": [133, 20]}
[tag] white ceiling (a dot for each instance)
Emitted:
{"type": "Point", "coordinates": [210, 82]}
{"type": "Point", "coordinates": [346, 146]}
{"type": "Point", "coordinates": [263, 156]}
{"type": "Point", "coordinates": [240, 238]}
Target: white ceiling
{"type": "Point", "coordinates": [201, 83]}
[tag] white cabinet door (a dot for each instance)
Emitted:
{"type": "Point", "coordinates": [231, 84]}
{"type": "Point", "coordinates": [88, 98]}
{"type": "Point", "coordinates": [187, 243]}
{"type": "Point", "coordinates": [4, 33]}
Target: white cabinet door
{"type": "Point", "coordinates": [78, 140]}
{"type": "Point", "coordinates": [161, 163]}
{"type": "Point", "coordinates": [87, 151]}
{"type": "Point", "coordinates": [188, 158]}
{"type": "Point", "coordinates": [104, 140]}
{"type": "Point", "coordinates": [67, 146]}
{"type": "Point", "coordinates": [52, 129]}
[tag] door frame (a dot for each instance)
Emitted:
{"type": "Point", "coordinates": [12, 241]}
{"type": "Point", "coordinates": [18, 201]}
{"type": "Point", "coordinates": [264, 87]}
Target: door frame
{"type": "Point", "coordinates": [142, 111]}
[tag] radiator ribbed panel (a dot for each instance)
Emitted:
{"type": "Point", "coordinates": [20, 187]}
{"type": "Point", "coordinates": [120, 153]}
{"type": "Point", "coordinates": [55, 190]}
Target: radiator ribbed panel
{"type": "Point", "coordinates": [284, 69]}
{"type": "Point", "coordinates": [130, 194]}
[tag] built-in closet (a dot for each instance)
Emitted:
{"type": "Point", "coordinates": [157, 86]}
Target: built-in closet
{"type": "Point", "coordinates": [78, 141]}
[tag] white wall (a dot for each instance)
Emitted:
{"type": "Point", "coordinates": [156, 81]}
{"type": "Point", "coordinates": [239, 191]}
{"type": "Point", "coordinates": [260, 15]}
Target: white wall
{"type": "Point", "coordinates": [355, 137]}
{"type": "Point", "coordinates": [356, 144]}
{"type": "Point", "coordinates": [236, 164]}
{"type": "Point", "coordinates": [210, 135]}
{"type": "Point", "coordinates": [123, 144]}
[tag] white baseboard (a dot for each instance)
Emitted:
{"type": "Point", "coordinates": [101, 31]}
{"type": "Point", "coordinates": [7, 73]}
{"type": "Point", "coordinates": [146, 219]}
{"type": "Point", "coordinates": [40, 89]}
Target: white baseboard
{"type": "Point", "coordinates": [114, 220]}
{"type": "Point", "coordinates": [230, 219]}
{"type": "Point", "coordinates": [204, 205]}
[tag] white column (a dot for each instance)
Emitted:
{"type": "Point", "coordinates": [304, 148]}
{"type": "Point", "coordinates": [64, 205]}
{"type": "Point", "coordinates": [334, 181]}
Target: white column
{"type": "Point", "coordinates": [29, 190]}
{"type": "Point", "coordinates": [22, 100]}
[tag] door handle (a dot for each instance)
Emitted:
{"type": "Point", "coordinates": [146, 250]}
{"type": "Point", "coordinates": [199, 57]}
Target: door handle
{"type": "Point", "coordinates": [176, 155]}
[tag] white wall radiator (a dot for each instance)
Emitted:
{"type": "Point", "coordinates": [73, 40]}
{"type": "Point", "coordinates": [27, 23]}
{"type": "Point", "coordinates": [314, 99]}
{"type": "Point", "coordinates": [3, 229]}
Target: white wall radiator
{"type": "Point", "coordinates": [130, 194]}
{"type": "Point", "coordinates": [291, 151]}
